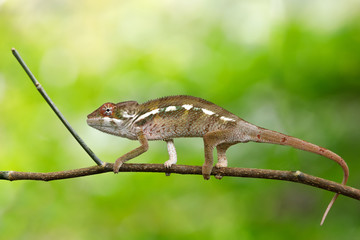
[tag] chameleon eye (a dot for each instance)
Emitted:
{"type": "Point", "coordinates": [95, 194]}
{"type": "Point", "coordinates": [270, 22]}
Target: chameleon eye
{"type": "Point", "coordinates": [107, 109]}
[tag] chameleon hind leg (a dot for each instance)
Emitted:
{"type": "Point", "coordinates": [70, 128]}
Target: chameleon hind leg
{"type": "Point", "coordinates": [221, 153]}
{"type": "Point", "coordinates": [222, 160]}
{"type": "Point", "coordinates": [221, 138]}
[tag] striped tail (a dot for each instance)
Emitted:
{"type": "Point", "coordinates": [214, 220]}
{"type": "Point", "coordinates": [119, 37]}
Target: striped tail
{"type": "Point", "coordinates": [268, 136]}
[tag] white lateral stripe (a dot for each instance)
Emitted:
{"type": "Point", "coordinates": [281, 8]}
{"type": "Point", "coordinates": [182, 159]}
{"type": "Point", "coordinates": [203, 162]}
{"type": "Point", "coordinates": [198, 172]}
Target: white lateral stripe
{"type": "Point", "coordinates": [187, 106]}
{"type": "Point", "coordinates": [208, 112]}
{"type": "Point", "coordinates": [126, 115]}
{"type": "Point", "coordinates": [145, 115]}
{"type": "Point", "coordinates": [117, 121]}
{"type": "Point", "coordinates": [227, 119]}
{"type": "Point", "coordinates": [108, 120]}
{"type": "Point", "coordinates": [170, 108]}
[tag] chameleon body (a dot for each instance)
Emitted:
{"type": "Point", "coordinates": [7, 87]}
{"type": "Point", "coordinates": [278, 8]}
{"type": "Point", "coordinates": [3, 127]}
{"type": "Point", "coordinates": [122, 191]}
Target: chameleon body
{"type": "Point", "coordinates": [186, 116]}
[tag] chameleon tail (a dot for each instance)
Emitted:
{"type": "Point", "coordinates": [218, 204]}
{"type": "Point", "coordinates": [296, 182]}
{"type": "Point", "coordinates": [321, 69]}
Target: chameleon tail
{"type": "Point", "coordinates": [268, 136]}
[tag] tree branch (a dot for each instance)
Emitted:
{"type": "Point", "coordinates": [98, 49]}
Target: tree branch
{"type": "Point", "coordinates": [292, 176]}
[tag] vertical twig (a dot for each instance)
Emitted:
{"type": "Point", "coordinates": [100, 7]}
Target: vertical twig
{"type": "Point", "coordinates": [55, 109]}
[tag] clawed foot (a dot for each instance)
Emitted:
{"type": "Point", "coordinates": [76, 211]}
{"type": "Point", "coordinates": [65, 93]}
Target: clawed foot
{"type": "Point", "coordinates": [218, 176]}
{"type": "Point", "coordinates": [206, 176]}
{"type": "Point", "coordinates": [220, 164]}
{"type": "Point", "coordinates": [168, 165]}
{"type": "Point", "coordinates": [206, 171]}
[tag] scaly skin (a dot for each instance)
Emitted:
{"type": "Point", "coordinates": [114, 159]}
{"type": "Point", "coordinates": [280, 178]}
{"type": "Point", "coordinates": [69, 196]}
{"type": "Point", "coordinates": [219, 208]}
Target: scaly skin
{"type": "Point", "coordinates": [186, 116]}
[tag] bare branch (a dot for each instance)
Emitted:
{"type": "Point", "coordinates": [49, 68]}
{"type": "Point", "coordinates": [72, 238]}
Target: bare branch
{"type": "Point", "coordinates": [292, 176]}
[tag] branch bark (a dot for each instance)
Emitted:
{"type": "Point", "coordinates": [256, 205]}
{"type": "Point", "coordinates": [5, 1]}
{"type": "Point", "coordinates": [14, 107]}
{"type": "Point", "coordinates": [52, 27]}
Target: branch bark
{"type": "Point", "coordinates": [292, 176]}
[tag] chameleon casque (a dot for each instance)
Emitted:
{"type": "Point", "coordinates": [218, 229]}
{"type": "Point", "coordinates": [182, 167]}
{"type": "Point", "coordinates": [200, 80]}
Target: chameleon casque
{"type": "Point", "coordinates": [186, 116]}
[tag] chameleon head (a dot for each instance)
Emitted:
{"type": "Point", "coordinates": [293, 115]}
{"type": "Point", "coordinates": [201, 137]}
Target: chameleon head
{"type": "Point", "coordinates": [113, 118]}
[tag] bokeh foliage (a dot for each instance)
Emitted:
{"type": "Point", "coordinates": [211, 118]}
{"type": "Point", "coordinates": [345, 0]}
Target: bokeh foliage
{"type": "Point", "coordinates": [291, 66]}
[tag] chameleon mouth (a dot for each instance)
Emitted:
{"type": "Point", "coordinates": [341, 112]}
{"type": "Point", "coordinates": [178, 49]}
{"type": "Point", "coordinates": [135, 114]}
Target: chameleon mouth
{"type": "Point", "coordinates": [105, 124]}
{"type": "Point", "coordinates": [100, 125]}
{"type": "Point", "coordinates": [93, 122]}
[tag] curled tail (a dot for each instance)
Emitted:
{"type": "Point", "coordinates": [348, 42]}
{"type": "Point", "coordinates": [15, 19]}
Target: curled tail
{"type": "Point", "coordinates": [267, 136]}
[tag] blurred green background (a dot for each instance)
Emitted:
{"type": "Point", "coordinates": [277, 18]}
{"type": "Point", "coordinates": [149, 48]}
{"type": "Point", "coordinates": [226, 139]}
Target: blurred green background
{"type": "Point", "coordinates": [290, 66]}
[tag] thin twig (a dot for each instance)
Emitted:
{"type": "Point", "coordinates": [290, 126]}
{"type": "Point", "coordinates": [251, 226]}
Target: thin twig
{"type": "Point", "coordinates": [54, 108]}
{"type": "Point", "coordinates": [292, 176]}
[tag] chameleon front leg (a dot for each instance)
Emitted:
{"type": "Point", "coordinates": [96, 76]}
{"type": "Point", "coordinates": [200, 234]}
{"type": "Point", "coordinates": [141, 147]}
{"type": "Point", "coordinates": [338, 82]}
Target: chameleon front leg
{"type": "Point", "coordinates": [133, 153]}
{"type": "Point", "coordinates": [172, 153]}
